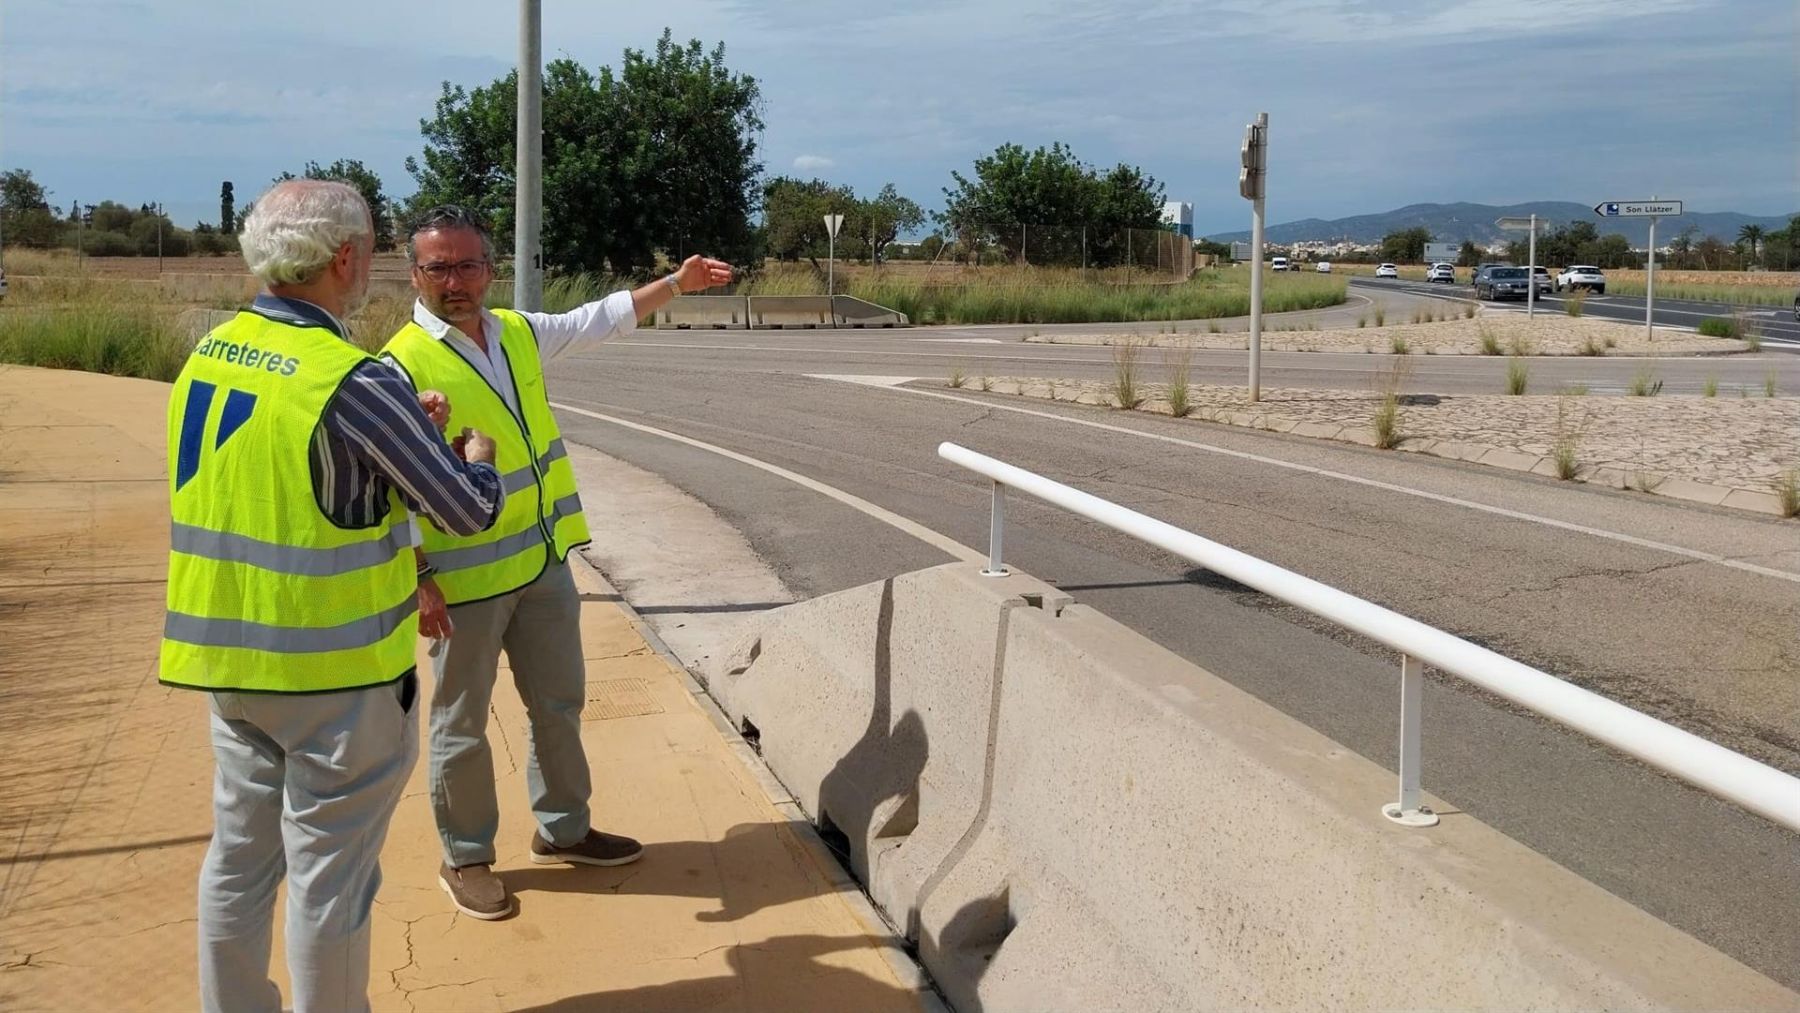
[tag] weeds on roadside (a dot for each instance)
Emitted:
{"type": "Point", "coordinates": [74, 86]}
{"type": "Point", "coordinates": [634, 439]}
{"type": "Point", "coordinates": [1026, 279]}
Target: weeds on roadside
{"type": "Point", "coordinates": [1361, 321]}
{"type": "Point", "coordinates": [1710, 388]}
{"type": "Point", "coordinates": [1399, 345]}
{"type": "Point", "coordinates": [1490, 344]}
{"type": "Point", "coordinates": [1125, 389]}
{"type": "Point", "coordinates": [1574, 390]}
{"type": "Point", "coordinates": [1518, 374]}
{"type": "Point", "coordinates": [1212, 327]}
{"type": "Point", "coordinates": [1568, 440]}
{"type": "Point", "coordinates": [1574, 303]}
{"type": "Point", "coordinates": [986, 383]}
{"type": "Point", "coordinates": [1645, 482]}
{"type": "Point", "coordinates": [1386, 421]}
{"type": "Point", "coordinates": [1519, 345]}
{"type": "Point", "coordinates": [1645, 383]}
{"type": "Point", "coordinates": [1788, 488]}
{"type": "Point", "coordinates": [1180, 364]}
{"type": "Point", "coordinates": [958, 377]}
{"type": "Point", "coordinates": [1590, 347]}
{"type": "Point", "coordinates": [1612, 342]}
{"type": "Point", "coordinates": [1468, 311]}
{"type": "Point", "coordinates": [1769, 384]}
{"type": "Point", "coordinates": [1380, 314]}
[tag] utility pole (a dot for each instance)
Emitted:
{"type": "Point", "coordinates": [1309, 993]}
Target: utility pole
{"type": "Point", "coordinates": [528, 211]}
{"type": "Point", "coordinates": [1254, 154]}
{"type": "Point", "coordinates": [159, 252]}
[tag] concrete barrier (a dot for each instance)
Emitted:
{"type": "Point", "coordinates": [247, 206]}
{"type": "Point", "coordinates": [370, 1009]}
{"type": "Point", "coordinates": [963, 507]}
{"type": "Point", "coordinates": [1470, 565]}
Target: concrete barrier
{"type": "Point", "coordinates": [791, 311]}
{"type": "Point", "coordinates": [701, 312]}
{"type": "Point", "coordinates": [1065, 815]}
{"type": "Point", "coordinates": [854, 312]}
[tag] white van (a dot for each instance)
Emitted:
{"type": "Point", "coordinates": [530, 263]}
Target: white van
{"type": "Point", "coordinates": [1278, 264]}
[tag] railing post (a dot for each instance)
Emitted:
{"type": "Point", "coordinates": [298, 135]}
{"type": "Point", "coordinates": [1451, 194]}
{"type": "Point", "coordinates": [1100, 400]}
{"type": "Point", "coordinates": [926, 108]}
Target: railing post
{"type": "Point", "coordinates": [1407, 812]}
{"type": "Point", "coordinates": [996, 533]}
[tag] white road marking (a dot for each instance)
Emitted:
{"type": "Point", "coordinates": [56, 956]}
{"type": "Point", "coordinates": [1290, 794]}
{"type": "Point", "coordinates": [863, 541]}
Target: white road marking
{"type": "Point", "coordinates": [1616, 536]}
{"type": "Point", "coordinates": [919, 531]}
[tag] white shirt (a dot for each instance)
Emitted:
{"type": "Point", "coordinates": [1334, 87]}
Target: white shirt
{"type": "Point", "coordinates": [557, 335]}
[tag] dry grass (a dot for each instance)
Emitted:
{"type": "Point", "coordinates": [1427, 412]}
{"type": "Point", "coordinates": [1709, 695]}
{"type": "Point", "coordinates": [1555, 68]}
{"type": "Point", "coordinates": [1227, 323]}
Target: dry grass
{"type": "Point", "coordinates": [1180, 365]}
{"type": "Point", "coordinates": [1788, 489]}
{"type": "Point", "coordinates": [1518, 375]}
{"type": "Point", "coordinates": [1126, 389]}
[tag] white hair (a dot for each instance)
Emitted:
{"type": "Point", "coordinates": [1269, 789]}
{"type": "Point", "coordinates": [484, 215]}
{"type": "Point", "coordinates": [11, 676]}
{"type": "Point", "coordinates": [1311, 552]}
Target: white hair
{"type": "Point", "coordinates": [298, 226]}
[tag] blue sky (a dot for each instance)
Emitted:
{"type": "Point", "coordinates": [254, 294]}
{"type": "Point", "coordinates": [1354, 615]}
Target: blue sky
{"type": "Point", "coordinates": [1372, 105]}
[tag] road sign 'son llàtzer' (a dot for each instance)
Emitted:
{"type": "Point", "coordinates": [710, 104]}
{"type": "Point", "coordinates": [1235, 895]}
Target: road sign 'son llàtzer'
{"type": "Point", "coordinates": [1521, 224]}
{"type": "Point", "coordinates": [1638, 208]}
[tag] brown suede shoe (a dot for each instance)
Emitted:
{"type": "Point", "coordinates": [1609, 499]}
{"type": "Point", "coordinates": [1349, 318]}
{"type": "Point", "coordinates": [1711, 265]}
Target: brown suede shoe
{"type": "Point", "coordinates": [476, 891]}
{"type": "Point", "coordinates": [595, 849]}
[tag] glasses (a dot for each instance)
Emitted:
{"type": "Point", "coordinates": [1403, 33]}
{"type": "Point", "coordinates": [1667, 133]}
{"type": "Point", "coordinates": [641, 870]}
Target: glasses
{"type": "Point", "coordinates": [465, 270]}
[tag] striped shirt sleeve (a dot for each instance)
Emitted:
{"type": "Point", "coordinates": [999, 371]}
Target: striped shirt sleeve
{"type": "Point", "coordinates": [378, 416]}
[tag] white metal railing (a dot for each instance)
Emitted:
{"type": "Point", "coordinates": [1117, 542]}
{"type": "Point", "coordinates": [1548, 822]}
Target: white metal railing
{"type": "Point", "coordinates": [1756, 786]}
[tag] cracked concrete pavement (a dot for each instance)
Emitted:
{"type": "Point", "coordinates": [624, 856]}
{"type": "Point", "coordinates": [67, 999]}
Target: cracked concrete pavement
{"type": "Point", "coordinates": [106, 812]}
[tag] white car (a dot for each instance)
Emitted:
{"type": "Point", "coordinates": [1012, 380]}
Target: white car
{"type": "Point", "coordinates": [1323, 267]}
{"type": "Point", "coordinates": [1441, 272]}
{"type": "Point", "coordinates": [1582, 276]}
{"type": "Point", "coordinates": [1278, 263]}
{"type": "Point", "coordinates": [1387, 271]}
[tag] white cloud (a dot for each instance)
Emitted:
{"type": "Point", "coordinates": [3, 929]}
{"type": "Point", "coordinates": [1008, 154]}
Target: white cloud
{"type": "Point", "coordinates": [813, 163]}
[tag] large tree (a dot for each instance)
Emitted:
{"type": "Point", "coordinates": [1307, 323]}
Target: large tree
{"type": "Point", "coordinates": [366, 182]}
{"type": "Point", "coordinates": [1070, 203]}
{"type": "Point", "coordinates": [25, 215]}
{"type": "Point", "coordinates": [1405, 246]}
{"type": "Point", "coordinates": [659, 157]}
{"type": "Point", "coordinates": [794, 216]}
{"type": "Point", "coordinates": [880, 220]}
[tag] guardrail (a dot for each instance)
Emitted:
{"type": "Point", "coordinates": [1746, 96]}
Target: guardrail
{"type": "Point", "coordinates": [1707, 765]}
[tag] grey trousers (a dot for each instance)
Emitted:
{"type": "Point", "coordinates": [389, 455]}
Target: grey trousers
{"type": "Point", "coordinates": [304, 787]}
{"type": "Point", "coordinates": [539, 627]}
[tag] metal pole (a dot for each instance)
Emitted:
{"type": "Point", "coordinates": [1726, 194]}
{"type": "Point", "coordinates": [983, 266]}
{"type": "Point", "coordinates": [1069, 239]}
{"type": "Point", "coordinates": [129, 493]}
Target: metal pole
{"type": "Point", "coordinates": [1531, 273]}
{"type": "Point", "coordinates": [1256, 270]}
{"type": "Point", "coordinates": [1022, 258]}
{"type": "Point", "coordinates": [528, 211]}
{"type": "Point", "coordinates": [831, 264]}
{"type": "Point", "coordinates": [159, 252]}
{"type": "Point", "coordinates": [996, 533]}
{"type": "Point", "coordinates": [1650, 282]}
{"type": "Point", "coordinates": [1408, 812]}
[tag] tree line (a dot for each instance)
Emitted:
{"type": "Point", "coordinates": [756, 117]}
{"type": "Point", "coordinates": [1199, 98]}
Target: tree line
{"type": "Point", "coordinates": [650, 161]}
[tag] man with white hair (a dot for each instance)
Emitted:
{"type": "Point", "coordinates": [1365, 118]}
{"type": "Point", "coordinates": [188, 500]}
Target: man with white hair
{"type": "Point", "coordinates": [292, 599]}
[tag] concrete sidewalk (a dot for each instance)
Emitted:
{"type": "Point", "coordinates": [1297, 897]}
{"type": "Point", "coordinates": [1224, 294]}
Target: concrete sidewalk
{"type": "Point", "coordinates": [105, 811]}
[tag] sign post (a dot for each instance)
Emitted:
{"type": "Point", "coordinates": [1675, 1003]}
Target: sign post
{"type": "Point", "coordinates": [1254, 155]}
{"type": "Point", "coordinates": [1652, 209]}
{"type": "Point", "coordinates": [832, 224]}
{"type": "Point", "coordinates": [1530, 224]}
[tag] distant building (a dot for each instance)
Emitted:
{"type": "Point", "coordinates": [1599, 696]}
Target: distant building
{"type": "Point", "coordinates": [1240, 251]}
{"type": "Point", "coordinates": [1178, 216]}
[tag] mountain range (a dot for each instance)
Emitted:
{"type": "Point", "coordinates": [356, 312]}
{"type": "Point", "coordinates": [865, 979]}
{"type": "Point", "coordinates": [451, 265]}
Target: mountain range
{"type": "Point", "coordinates": [1453, 223]}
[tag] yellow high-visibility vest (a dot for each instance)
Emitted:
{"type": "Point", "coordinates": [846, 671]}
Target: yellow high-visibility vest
{"type": "Point", "coordinates": [266, 593]}
{"type": "Point", "coordinates": [541, 520]}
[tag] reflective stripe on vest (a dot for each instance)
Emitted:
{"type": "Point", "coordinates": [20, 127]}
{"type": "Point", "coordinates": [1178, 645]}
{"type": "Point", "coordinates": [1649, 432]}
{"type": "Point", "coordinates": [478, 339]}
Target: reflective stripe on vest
{"type": "Point", "coordinates": [266, 593]}
{"type": "Point", "coordinates": [542, 517]}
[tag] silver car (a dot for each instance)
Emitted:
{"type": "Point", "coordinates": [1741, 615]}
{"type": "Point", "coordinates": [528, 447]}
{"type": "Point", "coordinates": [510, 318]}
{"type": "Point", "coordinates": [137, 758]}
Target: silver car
{"type": "Point", "coordinates": [1503, 283]}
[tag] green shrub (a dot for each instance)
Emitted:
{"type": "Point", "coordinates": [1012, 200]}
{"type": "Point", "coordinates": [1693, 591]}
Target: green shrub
{"type": "Point", "coordinates": [1717, 327]}
{"type": "Point", "coordinates": [121, 339]}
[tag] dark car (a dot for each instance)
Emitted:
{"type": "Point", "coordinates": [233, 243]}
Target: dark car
{"type": "Point", "coordinates": [1503, 283]}
{"type": "Point", "coordinates": [1797, 309]}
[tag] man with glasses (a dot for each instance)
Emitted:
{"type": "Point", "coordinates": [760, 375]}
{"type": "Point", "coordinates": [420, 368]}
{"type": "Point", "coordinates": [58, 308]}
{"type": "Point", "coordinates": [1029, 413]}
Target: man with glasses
{"type": "Point", "coordinates": [509, 587]}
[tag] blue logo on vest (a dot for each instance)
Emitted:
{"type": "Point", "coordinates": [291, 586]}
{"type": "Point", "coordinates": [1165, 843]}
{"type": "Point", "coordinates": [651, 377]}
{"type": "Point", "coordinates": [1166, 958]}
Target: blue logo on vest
{"type": "Point", "coordinates": [238, 407]}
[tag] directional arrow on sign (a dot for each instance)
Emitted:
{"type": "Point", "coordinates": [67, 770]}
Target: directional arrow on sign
{"type": "Point", "coordinates": [1638, 208]}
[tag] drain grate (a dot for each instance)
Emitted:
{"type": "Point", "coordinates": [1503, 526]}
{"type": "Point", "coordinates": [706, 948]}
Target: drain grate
{"type": "Point", "coordinates": [619, 698]}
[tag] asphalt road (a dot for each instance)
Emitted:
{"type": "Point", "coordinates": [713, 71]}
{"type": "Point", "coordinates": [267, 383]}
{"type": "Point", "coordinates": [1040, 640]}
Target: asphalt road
{"type": "Point", "coordinates": [1696, 641]}
{"type": "Point", "coordinates": [933, 352]}
{"type": "Point", "coordinates": [1781, 332]}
